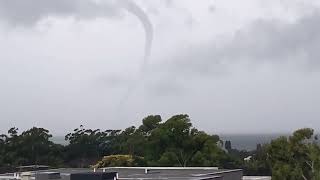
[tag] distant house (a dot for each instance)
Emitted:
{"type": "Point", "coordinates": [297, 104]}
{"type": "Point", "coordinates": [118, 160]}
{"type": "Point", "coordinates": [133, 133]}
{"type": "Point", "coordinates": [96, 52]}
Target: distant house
{"type": "Point", "coordinates": [247, 159]}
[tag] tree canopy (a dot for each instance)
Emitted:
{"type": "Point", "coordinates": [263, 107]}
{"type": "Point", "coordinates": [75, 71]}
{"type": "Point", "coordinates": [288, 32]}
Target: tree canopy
{"type": "Point", "coordinates": [158, 142]}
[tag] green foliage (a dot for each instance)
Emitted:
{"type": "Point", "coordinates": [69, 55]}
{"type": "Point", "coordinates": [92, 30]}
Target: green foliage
{"type": "Point", "coordinates": [150, 123]}
{"type": "Point", "coordinates": [296, 157]}
{"type": "Point", "coordinates": [87, 146]}
{"type": "Point", "coordinates": [174, 142]}
{"type": "Point", "coordinates": [120, 161]}
{"type": "Point", "coordinates": [228, 145]}
{"type": "Point", "coordinates": [132, 141]}
{"type": "Point", "coordinates": [30, 147]}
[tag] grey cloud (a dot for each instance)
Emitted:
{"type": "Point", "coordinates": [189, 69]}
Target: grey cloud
{"type": "Point", "coordinates": [165, 87]}
{"type": "Point", "coordinates": [114, 81]}
{"type": "Point", "coordinates": [209, 81]}
{"type": "Point", "coordinates": [190, 21]}
{"type": "Point", "coordinates": [169, 3]}
{"type": "Point", "coordinates": [263, 41]}
{"type": "Point", "coordinates": [267, 40]}
{"type": "Point", "coordinates": [19, 12]}
{"type": "Point", "coordinates": [212, 8]}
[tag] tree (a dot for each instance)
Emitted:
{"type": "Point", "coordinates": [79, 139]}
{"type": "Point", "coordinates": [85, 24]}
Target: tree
{"type": "Point", "coordinates": [2, 148]}
{"type": "Point", "coordinates": [177, 143]}
{"type": "Point", "coordinates": [150, 123]}
{"type": "Point", "coordinates": [120, 161]}
{"type": "Point", "coordinates": [228, 146]}
{"type": "Point", "coordinates": [258, 163]}
{"type": "Point", "coordinates": [132, 141]}
{"type": "Point", "coordinates": [86, 145]}
{"type": "Point", "coordinates": [174, 142]}
{"type": "Point", "coordinates": [30, 147]}
{"type": "Point", "coordinates": [296, 157]}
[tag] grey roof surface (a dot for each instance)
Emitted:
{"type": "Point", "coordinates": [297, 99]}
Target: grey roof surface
{"type": "Point", "coordinates": [154, 173]}
{"type": "Point", "coordinates": [188, 174]}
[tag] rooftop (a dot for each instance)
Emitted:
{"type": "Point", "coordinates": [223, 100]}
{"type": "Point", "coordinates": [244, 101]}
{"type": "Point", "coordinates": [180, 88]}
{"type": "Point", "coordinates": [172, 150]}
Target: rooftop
{"type": "Point", "coordinates": [146, 173]}
{"type": "Point", "coordinates": [171, 173]}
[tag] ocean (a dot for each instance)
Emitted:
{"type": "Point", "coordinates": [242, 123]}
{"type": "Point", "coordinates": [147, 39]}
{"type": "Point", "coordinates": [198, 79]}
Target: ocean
{"type": "Point", "coordinates": [249, 142]}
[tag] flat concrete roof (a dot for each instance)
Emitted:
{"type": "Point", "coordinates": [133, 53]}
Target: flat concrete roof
{"type": "Point", "coordinates": [170, 173]}
{"type": "Point", "coordinates": [189, 173]}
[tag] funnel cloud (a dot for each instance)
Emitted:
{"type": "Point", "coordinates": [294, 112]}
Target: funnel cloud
{"type": "Point", "coordinates": [243, 67]}
{"type": "Point", "coordinates": [134, 9]}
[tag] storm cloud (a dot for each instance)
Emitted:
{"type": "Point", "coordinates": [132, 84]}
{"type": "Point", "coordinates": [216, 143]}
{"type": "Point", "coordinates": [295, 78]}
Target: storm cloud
{"type": "Point", "coordinates": [16, 12]}
{"type": "Point", "coordinates": [264, 41]}
{"type": "Point", "coordinates": [242, 67]}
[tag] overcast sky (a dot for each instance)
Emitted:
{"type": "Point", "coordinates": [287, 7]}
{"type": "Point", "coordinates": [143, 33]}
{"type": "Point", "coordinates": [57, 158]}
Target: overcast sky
{"type": "Point", "coordinates": [249, 66]}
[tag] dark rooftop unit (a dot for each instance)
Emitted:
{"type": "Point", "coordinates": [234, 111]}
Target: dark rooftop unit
{"type": "Point", "coordinates": [47, 175]}
{"type": "Point", "coordinates": [72, 175]}
{"type": "Point", "coordinates": [93, 176]}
